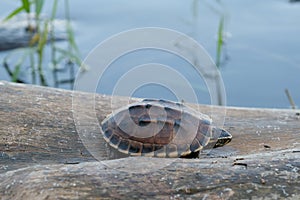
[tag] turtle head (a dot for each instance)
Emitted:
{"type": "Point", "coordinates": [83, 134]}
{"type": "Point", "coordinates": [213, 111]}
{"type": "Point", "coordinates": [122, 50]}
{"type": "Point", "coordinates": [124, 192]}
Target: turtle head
{"type": "Point", "coordinates": [220, 137]}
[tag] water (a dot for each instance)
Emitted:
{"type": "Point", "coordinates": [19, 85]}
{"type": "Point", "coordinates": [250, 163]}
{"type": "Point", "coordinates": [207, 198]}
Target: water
{"type": "Point", "coordinates": [262, 45]}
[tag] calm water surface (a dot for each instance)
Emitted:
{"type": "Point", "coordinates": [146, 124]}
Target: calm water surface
{"type": "Point", "coordinates": [262, 44]}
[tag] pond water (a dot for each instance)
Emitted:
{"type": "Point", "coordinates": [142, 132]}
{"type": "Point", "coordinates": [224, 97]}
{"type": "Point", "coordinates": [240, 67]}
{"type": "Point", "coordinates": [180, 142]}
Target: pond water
{"type": "Point", "coordinates": [260, 56]}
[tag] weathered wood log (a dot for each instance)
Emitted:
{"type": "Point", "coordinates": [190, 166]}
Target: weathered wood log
{"type": "Point", "coordinates": [198, 179]}
{"type": "Point", "coordinates": [46, 153]}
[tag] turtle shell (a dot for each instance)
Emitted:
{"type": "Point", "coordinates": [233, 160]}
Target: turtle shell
{"type": "Point", "coordinates": [157, 128]}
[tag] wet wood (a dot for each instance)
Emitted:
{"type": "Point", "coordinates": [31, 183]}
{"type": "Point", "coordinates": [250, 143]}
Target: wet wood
{"type": "Point", "coordinates": [50, 147]}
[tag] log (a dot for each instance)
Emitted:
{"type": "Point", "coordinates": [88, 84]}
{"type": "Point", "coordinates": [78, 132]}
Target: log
{"type": "Point", "coordinates": [18, 32]}
{"type": "Point", "coordinates": [51, 148]}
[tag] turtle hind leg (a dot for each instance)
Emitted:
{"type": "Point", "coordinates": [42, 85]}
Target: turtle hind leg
{"type": "Point", "coordinates": [191, 155]}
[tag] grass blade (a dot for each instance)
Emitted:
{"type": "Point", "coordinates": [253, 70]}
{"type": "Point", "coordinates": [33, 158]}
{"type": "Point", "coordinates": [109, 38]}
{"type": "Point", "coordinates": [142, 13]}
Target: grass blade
{"type": "Point", "coordinates": [54, 10]}
{"type": "Point", "coordinates": [38, 6]}
{"type": "Point", "coordinates": [43, 37]}
{"type": "Point", "coordinates": [40, 52]}
{"type": "Point", "coordinates": [220, 42]}
{"type": "Point", "coordinates": [26, 5]}
{"type": "Point", "coordinates": [14, 13]}
{"type": "Point", "coordinates": [14, 74]}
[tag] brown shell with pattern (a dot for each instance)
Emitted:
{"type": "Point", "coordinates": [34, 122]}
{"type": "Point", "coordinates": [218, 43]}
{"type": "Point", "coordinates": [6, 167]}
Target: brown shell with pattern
{"type": "Point", "coordinates": [160, 128]}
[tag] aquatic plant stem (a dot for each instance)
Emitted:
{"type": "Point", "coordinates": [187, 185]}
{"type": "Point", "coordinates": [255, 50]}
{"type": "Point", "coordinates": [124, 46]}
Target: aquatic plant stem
{"type": "Point", "coordinates": [220, 42]}
{"type": "Point", "coordinates": [292, 103]}
{"type": "Point", "coordinates": [32, 66]}
{"type": "Point", "coordinates": [40, 53]}
{"type": "Point", "coordinates": [53, 47]}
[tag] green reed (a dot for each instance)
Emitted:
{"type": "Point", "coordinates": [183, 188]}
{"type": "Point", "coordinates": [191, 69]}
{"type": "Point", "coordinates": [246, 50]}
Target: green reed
{"type": "Point", "coordinates": [220, 42]}
{"type": "Point", "coordinates": [42, 34]}
{"type": "Point", "coordinates": [25, 7]}
{"type": "Point", "coordinates": [219, 9]}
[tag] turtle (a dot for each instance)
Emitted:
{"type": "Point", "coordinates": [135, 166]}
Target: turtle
{"type": "Point", "coordinates": [161, 128]}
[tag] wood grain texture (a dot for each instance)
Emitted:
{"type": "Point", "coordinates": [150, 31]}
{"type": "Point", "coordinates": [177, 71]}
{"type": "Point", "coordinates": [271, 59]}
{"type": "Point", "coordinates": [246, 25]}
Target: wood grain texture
{"type": "Point", "coordinates": [50, 148]}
